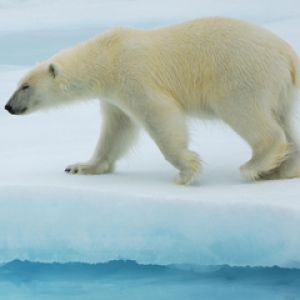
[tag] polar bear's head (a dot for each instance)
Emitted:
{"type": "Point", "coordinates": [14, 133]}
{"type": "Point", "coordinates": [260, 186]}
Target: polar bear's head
{"type": "Point", "coordinates": [43, 87]}
{"type": "Point", "coordinates": [36, 90]}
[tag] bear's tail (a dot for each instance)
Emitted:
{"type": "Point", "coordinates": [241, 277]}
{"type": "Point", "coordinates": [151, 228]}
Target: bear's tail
{"type": "Point", "coordinates": [295, 69]}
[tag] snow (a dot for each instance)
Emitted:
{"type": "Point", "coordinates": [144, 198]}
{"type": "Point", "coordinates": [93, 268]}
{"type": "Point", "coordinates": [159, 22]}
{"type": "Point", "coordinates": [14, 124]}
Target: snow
{"type": "Point", "coordinates": [136, 213]}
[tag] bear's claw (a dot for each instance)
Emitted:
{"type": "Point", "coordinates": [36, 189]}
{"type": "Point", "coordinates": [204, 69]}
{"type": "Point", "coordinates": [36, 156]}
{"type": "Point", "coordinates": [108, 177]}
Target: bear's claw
{"type": "Point", "coordinates": [89, 168]}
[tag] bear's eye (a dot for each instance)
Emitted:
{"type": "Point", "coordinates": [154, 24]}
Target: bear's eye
{"type": "Point", "coordinates": [25, 87]}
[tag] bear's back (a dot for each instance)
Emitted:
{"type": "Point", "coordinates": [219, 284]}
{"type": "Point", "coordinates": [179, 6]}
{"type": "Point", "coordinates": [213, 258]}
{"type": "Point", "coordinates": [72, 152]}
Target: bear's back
{"type": "Point", "coordinates": [209, 58]}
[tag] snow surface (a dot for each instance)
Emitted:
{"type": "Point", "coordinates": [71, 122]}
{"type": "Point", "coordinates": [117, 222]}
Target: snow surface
{"type": "Point", "coordinates": [136, 213]}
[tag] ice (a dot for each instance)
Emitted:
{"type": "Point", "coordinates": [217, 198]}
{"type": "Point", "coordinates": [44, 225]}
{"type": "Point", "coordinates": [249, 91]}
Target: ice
{"type": "Point", "coordinates": [129, 280]}
{"type": "Point", "coordinates": [91, 225]}
{"type": "Point", "coordinates": [136, 213]}
{"type": "Point", "coordinates": [37, 14]}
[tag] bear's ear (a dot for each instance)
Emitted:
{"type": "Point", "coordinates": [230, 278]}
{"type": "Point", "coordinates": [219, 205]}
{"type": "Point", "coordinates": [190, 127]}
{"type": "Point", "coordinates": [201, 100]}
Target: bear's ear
{"type": "Point", "coordinates": [53, 70]}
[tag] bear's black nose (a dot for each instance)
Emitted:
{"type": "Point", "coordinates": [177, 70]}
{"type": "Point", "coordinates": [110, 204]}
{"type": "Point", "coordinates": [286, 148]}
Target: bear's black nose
{"type": "Point", "coordinates": [8, 107]}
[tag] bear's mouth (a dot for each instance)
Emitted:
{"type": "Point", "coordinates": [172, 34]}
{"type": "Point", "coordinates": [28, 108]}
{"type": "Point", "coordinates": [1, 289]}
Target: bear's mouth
{"type": "Point", "coordinates": [15, 111]}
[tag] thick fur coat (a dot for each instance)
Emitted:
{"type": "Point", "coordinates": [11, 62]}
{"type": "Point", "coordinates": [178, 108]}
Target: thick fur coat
{"type": "Point", "coordinates": [214, 68]}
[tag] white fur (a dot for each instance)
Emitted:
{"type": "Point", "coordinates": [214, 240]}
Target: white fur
{"type": "Point", "coordinates": [213, 67]}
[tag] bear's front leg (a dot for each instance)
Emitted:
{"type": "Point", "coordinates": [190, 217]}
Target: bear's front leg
{"type": "Point", "coordinates": [165, 122]}
{"type": "Point", "coordinates": [118, 134]}
{"type": "Point", "coordinates": [90, 168]}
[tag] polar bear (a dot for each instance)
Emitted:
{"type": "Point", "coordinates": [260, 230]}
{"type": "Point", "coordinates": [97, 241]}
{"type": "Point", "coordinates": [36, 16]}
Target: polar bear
{"type": "Point", "coordinates": [213, 67]}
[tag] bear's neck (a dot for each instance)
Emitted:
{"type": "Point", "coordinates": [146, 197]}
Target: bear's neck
{"type": "Point", "coordinates": [89, 69]}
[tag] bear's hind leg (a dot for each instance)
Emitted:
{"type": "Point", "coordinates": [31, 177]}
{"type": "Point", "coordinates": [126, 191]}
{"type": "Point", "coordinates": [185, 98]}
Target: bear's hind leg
{"type": "Point", "coordinates": [118, 134]}
{"type": "Point", "coordinates": [290, 168]}
{"type": "Point", "coordinates": [266, 138]}
{"type": "Point", "coordinates": [266, 157]}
